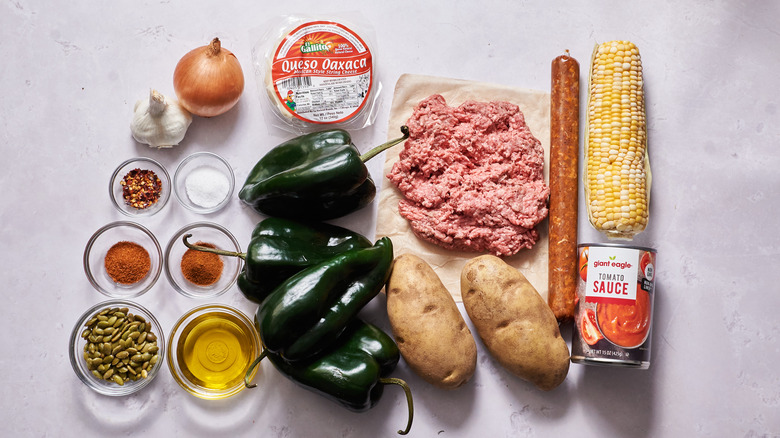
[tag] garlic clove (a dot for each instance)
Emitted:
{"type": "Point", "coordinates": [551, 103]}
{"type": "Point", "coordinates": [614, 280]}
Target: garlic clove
{"type": "Point", "coordinates": [159, 122]}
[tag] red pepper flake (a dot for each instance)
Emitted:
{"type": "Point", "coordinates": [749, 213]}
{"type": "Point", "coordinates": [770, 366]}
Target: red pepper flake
{"type": "Point", "coordinates": [141, 188]}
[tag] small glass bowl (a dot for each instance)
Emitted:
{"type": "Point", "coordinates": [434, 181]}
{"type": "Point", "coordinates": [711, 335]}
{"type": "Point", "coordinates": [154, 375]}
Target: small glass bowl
{"type": "Point", "coordinates": [78, 346]}
{"type": "Point", "coordinates": [103, 240]}
{"type": "Point", "coordinates": [206, 232]}
{"type": "Point", "coordinates": [115, 186]}
{"type": "Point", "coordinates": [206, 191]}
{"type": "Point", "coordinates": [221, 342]}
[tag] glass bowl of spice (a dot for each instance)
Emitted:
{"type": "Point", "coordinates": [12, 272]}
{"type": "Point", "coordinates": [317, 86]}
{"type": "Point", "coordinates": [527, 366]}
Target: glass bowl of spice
{"type": "Point", "coordinates": [123, 259]}
{"type": "Point", "coordinates": [203, 182]}
{"type": "Point", "coordinates": [140, 187]}
{"type": "Point", "coordinates": [210, 349]}
{"type": "Point", "coordinates": [117, 347]}
{"type": "Point", "coordinates": [203, 269]}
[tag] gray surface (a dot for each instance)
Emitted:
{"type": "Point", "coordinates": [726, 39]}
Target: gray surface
{"type": "Point", "coordinates": [71, 75]}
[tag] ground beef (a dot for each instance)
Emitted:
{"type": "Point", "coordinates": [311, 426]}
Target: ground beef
{"type": "Point", "coordinates": [472, 177]}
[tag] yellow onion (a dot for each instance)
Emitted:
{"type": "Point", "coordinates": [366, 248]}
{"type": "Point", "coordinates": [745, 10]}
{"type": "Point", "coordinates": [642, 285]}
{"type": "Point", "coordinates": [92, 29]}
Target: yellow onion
{"type": "Point", "coordinates": [208, 81]}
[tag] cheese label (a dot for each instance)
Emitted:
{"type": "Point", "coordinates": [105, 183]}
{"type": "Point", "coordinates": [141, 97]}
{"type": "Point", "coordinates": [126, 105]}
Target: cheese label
{"type": "Point", "coordinates": [322, 72]}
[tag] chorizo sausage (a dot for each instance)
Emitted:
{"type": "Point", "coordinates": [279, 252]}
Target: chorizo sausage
{"type": "Point", "coordinates": [564, 156]}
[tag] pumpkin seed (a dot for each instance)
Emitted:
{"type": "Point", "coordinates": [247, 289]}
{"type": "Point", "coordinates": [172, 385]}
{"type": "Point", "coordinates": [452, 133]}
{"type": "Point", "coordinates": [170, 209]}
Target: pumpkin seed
{"type": "Point", "coordinates": [119, 347]}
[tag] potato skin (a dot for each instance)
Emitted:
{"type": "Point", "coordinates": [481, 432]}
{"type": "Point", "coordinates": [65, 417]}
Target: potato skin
{"type": "Point", "coordinates": [430, 331]}
{"type": "Point", "coordinates": [514, 322]}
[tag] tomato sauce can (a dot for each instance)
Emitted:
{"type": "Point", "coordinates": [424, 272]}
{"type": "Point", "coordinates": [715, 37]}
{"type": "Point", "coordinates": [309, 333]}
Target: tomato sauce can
{"type": "Point", "coordinates": [614, 312]}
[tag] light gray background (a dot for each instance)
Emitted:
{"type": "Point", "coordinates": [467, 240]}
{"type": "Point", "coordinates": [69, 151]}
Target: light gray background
{"type": "Point", "coordinates": [70, 75]}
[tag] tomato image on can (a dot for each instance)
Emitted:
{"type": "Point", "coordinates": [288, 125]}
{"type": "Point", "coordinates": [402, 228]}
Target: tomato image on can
{"type": "Point", "coordinates": [614, 305]}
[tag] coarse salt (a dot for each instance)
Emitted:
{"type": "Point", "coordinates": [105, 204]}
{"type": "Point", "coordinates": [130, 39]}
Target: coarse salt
{"type": "Point", "coordinates": [206, 186]}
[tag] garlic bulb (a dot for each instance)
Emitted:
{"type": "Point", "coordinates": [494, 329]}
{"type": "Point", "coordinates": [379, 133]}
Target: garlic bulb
{"type": "Point", "coordinates": [159, 122]}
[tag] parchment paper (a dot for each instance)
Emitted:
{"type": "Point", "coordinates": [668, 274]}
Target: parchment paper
{"type": "Point", "coordinates": [411, 89]}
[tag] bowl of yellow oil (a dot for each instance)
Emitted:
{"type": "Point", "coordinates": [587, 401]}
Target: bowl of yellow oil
{"type": "Point", "coordinates": [211, 348]}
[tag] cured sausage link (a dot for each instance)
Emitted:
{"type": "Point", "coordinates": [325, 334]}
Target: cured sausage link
{"type": "Point", "coordinates": [564, 156]}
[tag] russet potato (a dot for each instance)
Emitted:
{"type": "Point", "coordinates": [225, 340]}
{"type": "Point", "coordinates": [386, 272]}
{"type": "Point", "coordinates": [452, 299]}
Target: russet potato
{"type": "Point", "coordinates": [514, 322]}
{"type": "Point", "coordinates": [432, 335]}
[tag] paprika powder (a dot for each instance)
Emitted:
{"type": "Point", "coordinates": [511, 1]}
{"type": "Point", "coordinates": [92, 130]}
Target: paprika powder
{"type": "Point", "coordinates": [201, 268]}
{"type": "Point", "coordinates": [127, 262]}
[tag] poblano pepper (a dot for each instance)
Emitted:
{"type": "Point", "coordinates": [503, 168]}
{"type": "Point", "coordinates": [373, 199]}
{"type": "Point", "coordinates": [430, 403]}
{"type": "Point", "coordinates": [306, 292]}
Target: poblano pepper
{"type": "Point", "coordinates": [280, 248]}
{"type": "Point", "coordinates": [316, 176]}
{"type": "Point", "coordinates": [352, 373]}
{"type": "Point", "coordinates": [309, 311]}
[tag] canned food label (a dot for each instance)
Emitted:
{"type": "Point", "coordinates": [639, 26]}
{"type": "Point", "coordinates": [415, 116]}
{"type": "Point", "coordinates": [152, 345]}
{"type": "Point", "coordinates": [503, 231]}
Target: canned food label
{"type": "Point", "coordinates": [615, 305]}
{"type": "Point", "coordinates": [612, 275]}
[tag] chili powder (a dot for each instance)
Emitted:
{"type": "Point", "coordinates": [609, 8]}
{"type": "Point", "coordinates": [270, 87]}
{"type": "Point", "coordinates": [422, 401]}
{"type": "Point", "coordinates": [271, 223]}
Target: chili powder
{"type": "Point", "coordinates": [201, 268]}
{"type": "Point", "coordinates": [127, 262]}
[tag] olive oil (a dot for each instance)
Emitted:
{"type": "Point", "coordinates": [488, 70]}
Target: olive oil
{"type": "Point", "coordinates": [215, 350]}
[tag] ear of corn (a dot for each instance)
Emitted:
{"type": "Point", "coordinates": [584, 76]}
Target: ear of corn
{"type": "Point", "coordinates": [617, 170]}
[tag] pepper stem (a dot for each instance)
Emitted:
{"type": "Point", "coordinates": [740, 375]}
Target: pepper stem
{"type": "Point", "coordinates": [383, 147]}
{"type": "Point", "coordinates": [189, 245]}
{"type": "Point", "coordinates": [409, 402]}
{"type": "Point", "coordinates": [252, 367]}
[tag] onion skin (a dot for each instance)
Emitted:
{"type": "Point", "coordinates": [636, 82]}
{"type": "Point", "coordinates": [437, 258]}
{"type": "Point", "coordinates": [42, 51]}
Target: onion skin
{"type": "Point", "coordinates": [208, 81]}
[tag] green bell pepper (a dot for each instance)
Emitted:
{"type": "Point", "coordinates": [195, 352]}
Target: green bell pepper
{"type": "Point", "coordinates": [279, 248]}
{"type": "Point", "coordinates": [309, 311]}
{"type": "Point", "coordinates": [352, 373]}
{"type": "Point", "coordinates": [317, 176]}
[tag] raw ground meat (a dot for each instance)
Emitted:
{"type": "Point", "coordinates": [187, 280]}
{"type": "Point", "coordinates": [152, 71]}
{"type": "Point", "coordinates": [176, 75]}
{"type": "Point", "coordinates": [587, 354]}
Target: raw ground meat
{"type": "Point", "coordinates": [472, 177]}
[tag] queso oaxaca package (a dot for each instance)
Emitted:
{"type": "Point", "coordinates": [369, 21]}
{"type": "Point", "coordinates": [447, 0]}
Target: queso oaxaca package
{"type": "Point", "coordinates": [318, 73]}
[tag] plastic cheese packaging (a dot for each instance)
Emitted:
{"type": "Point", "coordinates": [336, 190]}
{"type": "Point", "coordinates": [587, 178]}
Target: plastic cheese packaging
{"type": "Point", "coordinates": [318, 73]}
